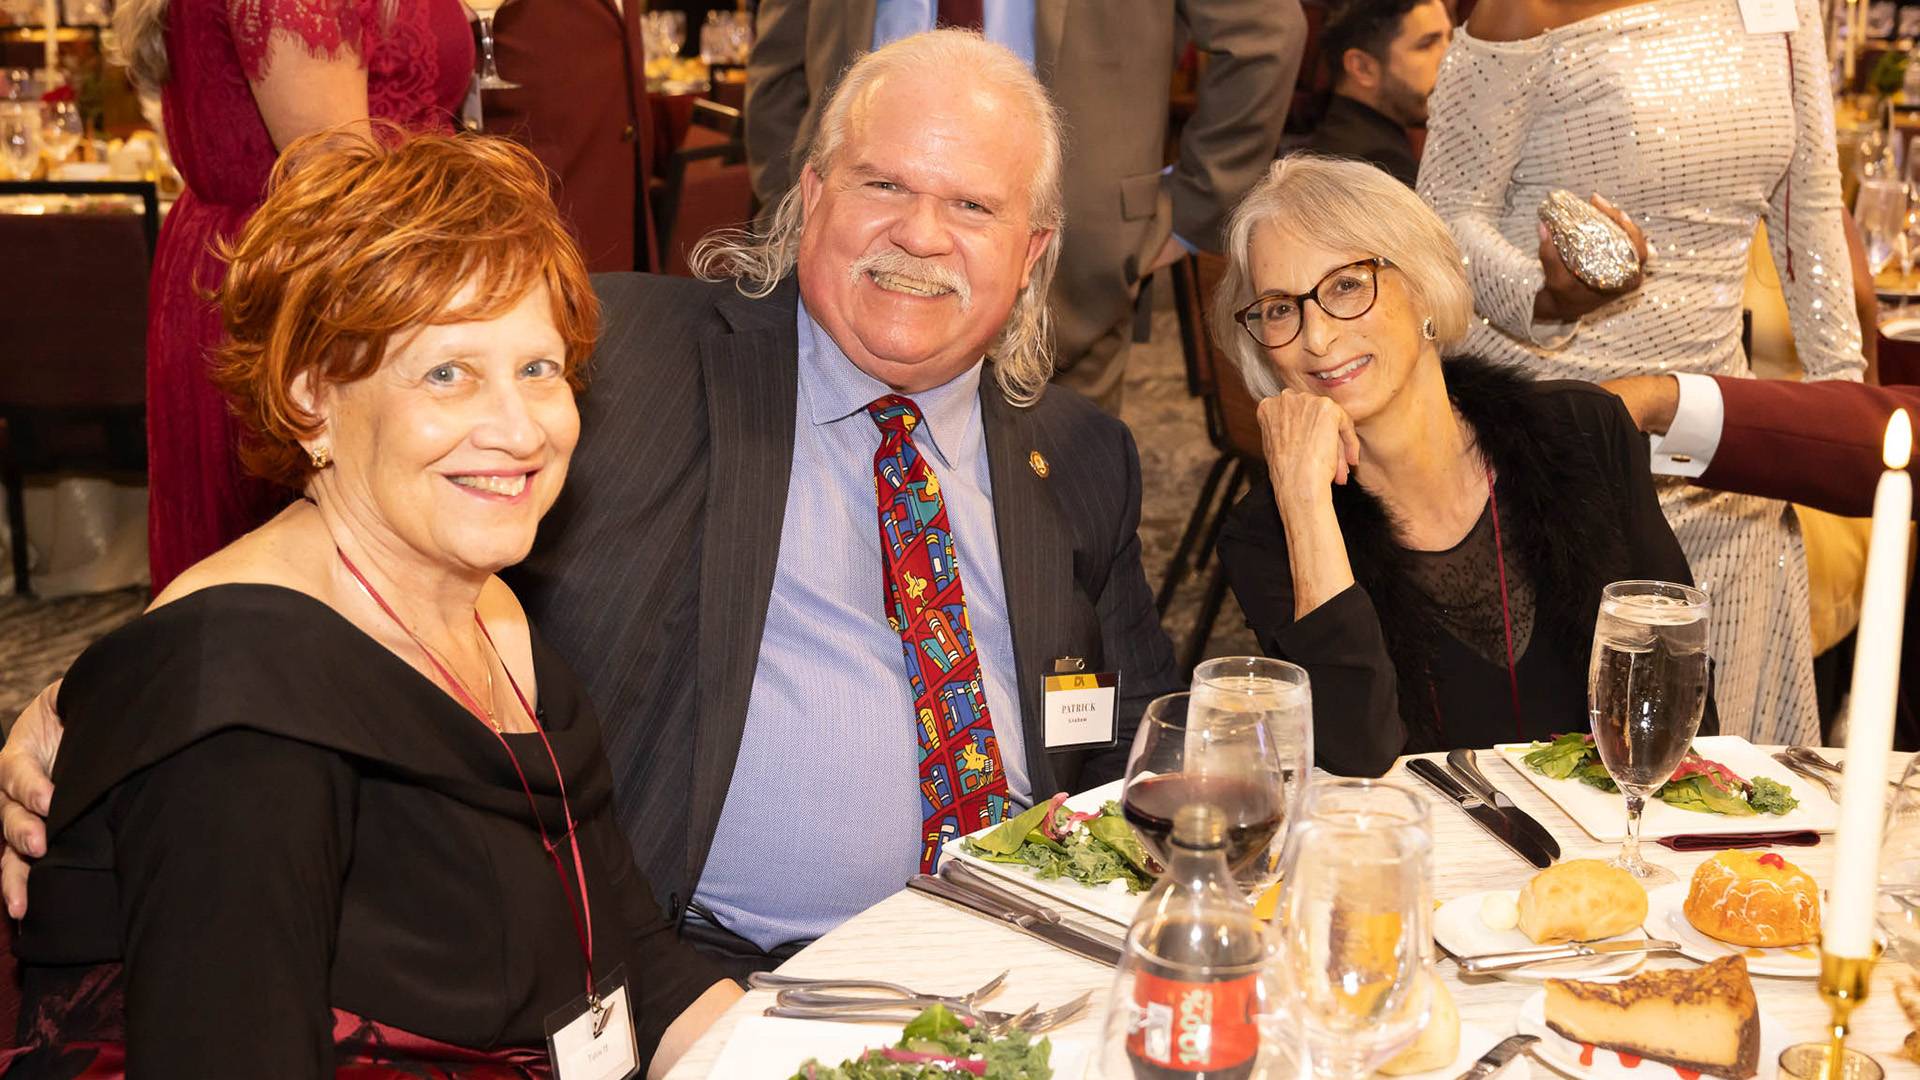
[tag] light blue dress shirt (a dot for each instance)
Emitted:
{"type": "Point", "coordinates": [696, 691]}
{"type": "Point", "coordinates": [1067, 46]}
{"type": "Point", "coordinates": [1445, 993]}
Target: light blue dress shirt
{"type": "Point", "coordinates": [822, 819]}
{"type": "Point", "coordinates": [1007, 22]}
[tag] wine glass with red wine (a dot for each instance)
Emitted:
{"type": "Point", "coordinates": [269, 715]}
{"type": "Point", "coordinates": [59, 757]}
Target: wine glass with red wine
{"type": "Point", "coordinates": [1184, 755]}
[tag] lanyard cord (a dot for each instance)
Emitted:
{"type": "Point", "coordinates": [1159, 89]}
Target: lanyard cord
{"type": "Point", "coordinates": [582, 926]}
{"type": "Point", "coordinates": [1506, 620]}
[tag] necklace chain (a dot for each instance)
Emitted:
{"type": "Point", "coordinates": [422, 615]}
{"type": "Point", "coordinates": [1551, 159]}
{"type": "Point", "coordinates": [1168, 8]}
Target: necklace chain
{"type": "Point", "coordinates": [444, 663]}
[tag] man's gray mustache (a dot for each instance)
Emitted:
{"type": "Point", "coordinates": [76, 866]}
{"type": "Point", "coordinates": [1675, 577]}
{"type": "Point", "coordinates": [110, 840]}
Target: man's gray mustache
{"type": "Point", "coordinates": [900, 264]}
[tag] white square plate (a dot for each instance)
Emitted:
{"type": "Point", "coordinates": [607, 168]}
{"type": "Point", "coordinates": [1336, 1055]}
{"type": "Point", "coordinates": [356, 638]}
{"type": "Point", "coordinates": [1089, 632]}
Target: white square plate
{"type": "Point", "coordinates": [1111, 902]}
{"type": "Point", "coordinates": [774, 1048]}
{"type": "Point", "coordinates": [1604, 816]}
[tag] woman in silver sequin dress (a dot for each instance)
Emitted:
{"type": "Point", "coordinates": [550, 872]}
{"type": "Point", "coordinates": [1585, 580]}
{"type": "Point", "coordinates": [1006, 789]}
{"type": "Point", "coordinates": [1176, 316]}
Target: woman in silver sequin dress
{"type": "Point", "coordinates": [1696, 129]}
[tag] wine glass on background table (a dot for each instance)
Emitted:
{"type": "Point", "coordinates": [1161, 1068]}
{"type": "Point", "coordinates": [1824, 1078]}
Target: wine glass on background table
{"type": "Point", "coordinates": [61, 129]}
{"type": "Point", "coordinates": [1880, 209]}
{"type": "Point", "coordinates": [484, 11]}
{"type": "Point", "coordinates": [1646, 691]}
{"type": "Point", "coordinates": [1354, 925]}
{"type": "Point", "coordinates": [1899, 901]}
{"type": "Point", "coordinates": [1281, 696]}
{"type": "Point", "coordinates": [19, 140]}
{"type": "Point", "coordinates": [1184, 755]}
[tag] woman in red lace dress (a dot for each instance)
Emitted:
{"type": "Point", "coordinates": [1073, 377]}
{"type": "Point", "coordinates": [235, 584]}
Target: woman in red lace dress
{"type": "Point", "coordinates": [238, 80]}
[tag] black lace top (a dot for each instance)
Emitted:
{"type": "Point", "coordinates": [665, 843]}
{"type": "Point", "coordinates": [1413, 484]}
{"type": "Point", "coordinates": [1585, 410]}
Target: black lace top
{"type": "Point", "coordinates": [1464, 583]}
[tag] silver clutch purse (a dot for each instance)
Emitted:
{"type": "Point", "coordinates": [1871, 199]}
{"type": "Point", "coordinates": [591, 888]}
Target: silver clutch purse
{"type": "Point", "coordinates": [1597, 250]}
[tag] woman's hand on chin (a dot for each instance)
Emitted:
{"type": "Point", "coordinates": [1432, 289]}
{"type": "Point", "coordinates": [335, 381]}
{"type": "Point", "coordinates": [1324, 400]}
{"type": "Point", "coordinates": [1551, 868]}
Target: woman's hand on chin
{"type": "Point", "coordinates": [1310, 444]}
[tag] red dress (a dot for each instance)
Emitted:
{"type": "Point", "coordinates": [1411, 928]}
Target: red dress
{"type": "Point", "coordinates": [199, 497]}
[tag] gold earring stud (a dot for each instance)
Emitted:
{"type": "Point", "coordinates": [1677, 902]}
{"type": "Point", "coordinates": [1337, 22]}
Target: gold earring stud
{"type": "Point", "coordinates": [320, 456]}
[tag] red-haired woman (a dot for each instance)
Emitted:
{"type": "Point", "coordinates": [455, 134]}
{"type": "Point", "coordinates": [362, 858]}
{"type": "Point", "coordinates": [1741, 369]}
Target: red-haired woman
{"type": "Point", "coordinates": [331, 802]}
{"type": "Point", "coordinates": [238, 80]}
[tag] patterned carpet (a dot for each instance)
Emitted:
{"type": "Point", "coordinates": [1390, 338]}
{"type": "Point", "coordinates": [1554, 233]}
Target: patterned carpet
{"type": "Point", "coordinates": [39, 638]}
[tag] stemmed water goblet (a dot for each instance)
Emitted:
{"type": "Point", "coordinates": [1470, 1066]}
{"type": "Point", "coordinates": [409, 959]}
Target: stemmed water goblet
{"type": "Point", "coordinates": [19, 140]}
{"type": "Point", "coordinates": [1647, 683]}
{"type": "Point", "coordinates": [61, 129]}
{"type": "Point", "coordinates": [1280, 695]}
{"type": "Point", "coordinates": [489, 78]}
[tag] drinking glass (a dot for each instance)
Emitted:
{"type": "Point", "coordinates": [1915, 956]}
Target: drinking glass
{"type": "Point", "coordinates": [19, 140]}
{"type": "Point", "coordinates": [1880, 208]}
{"type": "Point", "coordinates": [1899, 902]}
{"type": "Point", "coordinates": [1646, 691]}
{"type": "Point", "coordinates": [485, 10]}
{"type": "Point", "coordinates": [61, 129]}
{"type": "Point", "coordinates": [1352, 931]}
{"type": "Point", "coordinates": [1281, 696]}
{"type": "Point", "coordinates": [1185, 754]}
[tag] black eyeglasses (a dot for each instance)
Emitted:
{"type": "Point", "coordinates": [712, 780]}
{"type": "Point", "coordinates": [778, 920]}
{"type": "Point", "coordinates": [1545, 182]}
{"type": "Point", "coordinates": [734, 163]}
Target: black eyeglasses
{"type": "Point", "coordinates": [1346, 292]}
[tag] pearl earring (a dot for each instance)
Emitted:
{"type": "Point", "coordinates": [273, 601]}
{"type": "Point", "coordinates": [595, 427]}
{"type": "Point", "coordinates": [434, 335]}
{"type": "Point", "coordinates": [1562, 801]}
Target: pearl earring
{"type": "Point", "coordinates": [1426, 328]}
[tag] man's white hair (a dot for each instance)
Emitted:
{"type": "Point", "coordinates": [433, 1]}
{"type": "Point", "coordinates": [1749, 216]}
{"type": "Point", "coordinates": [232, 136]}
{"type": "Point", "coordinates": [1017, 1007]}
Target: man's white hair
{"type": "Point", "coordinates": [758, 261]}
{"type": "Point", "coordinates": [1341, 206]}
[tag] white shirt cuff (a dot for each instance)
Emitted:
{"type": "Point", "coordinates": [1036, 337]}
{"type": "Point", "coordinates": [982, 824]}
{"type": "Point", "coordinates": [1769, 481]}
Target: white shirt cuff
{"type": "Point", "coordinates": [1698, 417]}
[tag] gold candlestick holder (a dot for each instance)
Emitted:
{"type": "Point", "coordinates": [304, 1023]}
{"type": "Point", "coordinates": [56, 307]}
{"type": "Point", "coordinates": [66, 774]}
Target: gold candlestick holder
{"type": "Point", "coordinates": [1844, 981]}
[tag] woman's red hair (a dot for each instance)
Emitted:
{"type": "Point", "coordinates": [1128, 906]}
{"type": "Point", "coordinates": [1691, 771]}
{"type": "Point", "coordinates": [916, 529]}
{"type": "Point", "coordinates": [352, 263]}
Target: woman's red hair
{"type": "Point", "coordinates": [365, 238]}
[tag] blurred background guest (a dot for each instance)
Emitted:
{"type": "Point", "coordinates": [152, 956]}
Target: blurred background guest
{"type": "Point", "coordinates": [581, 107]}
{"type": "Point", "coordinates": [339, 708]}
{"type": "Point", "coordinates": [1385, 56]}
{"type": "Point", "coordinates": [237, 83]}
{"type": "Point", "coordinates": [1433, 537]}
{"type": "Point", "coordinates": [1531, 99]}
{"type": "Point", "coordinates": [1108, 67]}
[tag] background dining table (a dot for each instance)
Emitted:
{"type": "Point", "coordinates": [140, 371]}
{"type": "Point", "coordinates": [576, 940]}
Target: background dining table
{"type": "Point", "coordinates": [930, 946]}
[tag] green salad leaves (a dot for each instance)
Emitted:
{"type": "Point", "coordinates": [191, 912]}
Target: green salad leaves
{"type": "Point", "coordinates": [937, 1045]}
{"type": "Point", "coordinates": [1092, 849]}
{"type": "Point", "coordinates": [1704, 786]}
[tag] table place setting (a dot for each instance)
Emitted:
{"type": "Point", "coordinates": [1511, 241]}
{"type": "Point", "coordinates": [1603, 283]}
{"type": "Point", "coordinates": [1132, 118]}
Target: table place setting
{"type": "Point", "coordinates": [1467, 915]}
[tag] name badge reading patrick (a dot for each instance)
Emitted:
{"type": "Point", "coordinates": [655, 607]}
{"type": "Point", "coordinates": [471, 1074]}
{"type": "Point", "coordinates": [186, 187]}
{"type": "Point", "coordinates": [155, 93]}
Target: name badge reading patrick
{"type": "Point", "coordinates": [1769, 16]}
{"type": "Point", "coordinates": [593, 1040]}
{"type": "Point", "coordinates": [1079, 708]}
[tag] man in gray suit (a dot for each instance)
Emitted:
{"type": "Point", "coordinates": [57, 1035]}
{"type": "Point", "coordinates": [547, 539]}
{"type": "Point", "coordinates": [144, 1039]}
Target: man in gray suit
{"type": "Point", "coordinates": [1109, 65]}
{"type": "Point", "coordinates": [715, 570]}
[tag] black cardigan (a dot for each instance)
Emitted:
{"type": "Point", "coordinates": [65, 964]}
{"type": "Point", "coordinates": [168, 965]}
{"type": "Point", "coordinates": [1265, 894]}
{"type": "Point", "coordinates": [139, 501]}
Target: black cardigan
{"type": "Point", "coordinates": [1578, 510]}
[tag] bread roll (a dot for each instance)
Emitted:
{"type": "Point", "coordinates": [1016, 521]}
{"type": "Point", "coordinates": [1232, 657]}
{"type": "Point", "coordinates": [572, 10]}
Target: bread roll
{"type": "Point", "coordinates": [1581, 900]}
{"type": "Point", "coordinates": [1439, 1042]}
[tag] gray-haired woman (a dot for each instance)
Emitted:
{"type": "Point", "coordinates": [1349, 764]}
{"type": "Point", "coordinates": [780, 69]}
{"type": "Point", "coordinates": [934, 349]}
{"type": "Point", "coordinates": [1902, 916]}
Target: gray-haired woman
{"type": "Point", "coordinates": [1434, 535]}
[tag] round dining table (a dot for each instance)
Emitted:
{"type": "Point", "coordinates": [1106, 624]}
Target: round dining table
{"type": "Point", "coordinates": [921, 942]}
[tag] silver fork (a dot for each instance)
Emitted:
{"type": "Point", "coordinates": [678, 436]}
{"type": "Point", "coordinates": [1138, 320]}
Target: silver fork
{"type": "Point", "coordinates": [1812, 759]}
{"type": "Point", "coordinates": [767, 980]}
{"type": "Point", "coordinates": [898, 1010]}
{"type": "Point", "coordinates": [1795, 766]}
{"type": "Point", "coordinates": [1054, 1017]}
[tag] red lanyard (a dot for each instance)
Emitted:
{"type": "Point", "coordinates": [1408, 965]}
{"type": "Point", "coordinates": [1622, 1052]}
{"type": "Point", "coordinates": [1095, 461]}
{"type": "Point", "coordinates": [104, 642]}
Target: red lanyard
{"type": "Point", "coordinates": [582, 918]}
{"type": "Point", "coordinates": [1506, 619]}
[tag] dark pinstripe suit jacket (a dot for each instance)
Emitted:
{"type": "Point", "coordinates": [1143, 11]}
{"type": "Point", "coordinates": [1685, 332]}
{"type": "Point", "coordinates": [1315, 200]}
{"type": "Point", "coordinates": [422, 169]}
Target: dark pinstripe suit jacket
{"type": "Point", "coordinates": [652, 574]}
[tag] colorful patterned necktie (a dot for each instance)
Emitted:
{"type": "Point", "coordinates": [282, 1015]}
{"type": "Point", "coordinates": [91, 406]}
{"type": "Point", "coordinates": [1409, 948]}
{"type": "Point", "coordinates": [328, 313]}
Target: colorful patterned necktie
{"type": "Point", "coordinates": [962, 786]}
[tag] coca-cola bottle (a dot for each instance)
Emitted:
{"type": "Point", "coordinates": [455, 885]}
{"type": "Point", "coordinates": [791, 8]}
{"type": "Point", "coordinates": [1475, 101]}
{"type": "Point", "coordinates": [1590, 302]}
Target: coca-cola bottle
{"type": "Point", "coordinates": [1196, 950]}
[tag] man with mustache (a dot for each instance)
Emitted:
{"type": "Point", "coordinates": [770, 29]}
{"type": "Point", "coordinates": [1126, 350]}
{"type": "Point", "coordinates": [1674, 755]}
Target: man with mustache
{"type": "Point", "coordinates": [828, 528]}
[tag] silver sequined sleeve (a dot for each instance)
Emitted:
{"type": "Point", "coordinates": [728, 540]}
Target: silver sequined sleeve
{"type": "Point", "coordinates": [1480, 108]}
{"type": "Point", "coordinates": [1803, 218]}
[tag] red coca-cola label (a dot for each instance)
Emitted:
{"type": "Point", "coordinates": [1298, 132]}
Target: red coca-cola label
{"type": "Point", "coordinates": [1195, 1026]}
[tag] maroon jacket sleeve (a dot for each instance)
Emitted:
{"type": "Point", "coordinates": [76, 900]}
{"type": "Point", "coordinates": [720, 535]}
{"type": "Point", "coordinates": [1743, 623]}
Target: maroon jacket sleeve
{"type": "Point", "coordinates": [1814, 443]}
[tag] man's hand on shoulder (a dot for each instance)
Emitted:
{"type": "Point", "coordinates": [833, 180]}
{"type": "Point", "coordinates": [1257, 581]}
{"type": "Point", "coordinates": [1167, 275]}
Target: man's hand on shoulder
{"type": "Point", "coordinates": [26, 793]}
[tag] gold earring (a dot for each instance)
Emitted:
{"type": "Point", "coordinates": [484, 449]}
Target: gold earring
{"type": "Point", "coordinates": [320, 456]}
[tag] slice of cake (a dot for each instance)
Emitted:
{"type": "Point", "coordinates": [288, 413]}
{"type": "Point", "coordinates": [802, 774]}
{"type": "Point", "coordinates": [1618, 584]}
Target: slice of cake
{"type": "Point", "coordinates": [1703, 1019]}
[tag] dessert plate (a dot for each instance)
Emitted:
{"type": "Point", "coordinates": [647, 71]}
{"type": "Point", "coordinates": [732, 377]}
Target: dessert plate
{"type": "Point", "coordinates": [1458, 929]}
{"type": "Point", "coordinates": [1579, 1060]}
{"type": "Point", "coordinates": [1667, 917]}
{"type": "Point", "coordinates": [1604, 815]}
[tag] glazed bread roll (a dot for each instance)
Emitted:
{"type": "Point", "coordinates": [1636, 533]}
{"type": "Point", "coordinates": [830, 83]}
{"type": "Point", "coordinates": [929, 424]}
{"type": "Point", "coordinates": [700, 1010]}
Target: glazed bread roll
{"type": "Point", "coordinates": [1581, 900]}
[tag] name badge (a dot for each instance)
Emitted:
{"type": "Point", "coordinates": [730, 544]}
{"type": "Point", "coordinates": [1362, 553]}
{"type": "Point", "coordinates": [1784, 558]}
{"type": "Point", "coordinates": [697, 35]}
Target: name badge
{"type": "Point", "coordinates": [593, 1040]}
{"type": "Point", "coordinates": [1769, 16]}
{"type": "Point", "coordinates": [1079, 708]}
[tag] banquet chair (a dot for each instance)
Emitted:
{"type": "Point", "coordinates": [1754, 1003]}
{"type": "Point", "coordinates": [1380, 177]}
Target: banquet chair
{"type": "Point", "coordinates": [72, 342]}
{"type": "Point", "coordinates": [1233, 429]}
{"type": "Point", "coordinates": [706, 185]}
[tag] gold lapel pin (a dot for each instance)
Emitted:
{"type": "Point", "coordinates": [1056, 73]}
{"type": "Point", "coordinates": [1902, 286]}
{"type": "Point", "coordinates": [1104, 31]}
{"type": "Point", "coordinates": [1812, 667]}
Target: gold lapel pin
{"type": "Point", "coordinates": [1040, 468]}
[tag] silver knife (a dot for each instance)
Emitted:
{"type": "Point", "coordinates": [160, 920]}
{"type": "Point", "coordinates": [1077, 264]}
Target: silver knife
{"type": "Point", "coordinates": [1497, 825]}
{"type": "Point", "coordinates": [1059, 935]}
{"type": "Point", "coordinates": [969, 877]}
{"type": "Point", "coordinates": [1496, 1059]}
{"type": "Point", "coordinates": [1466, 767]}
{"type": "Point", "coordinates": [1476, 965]}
